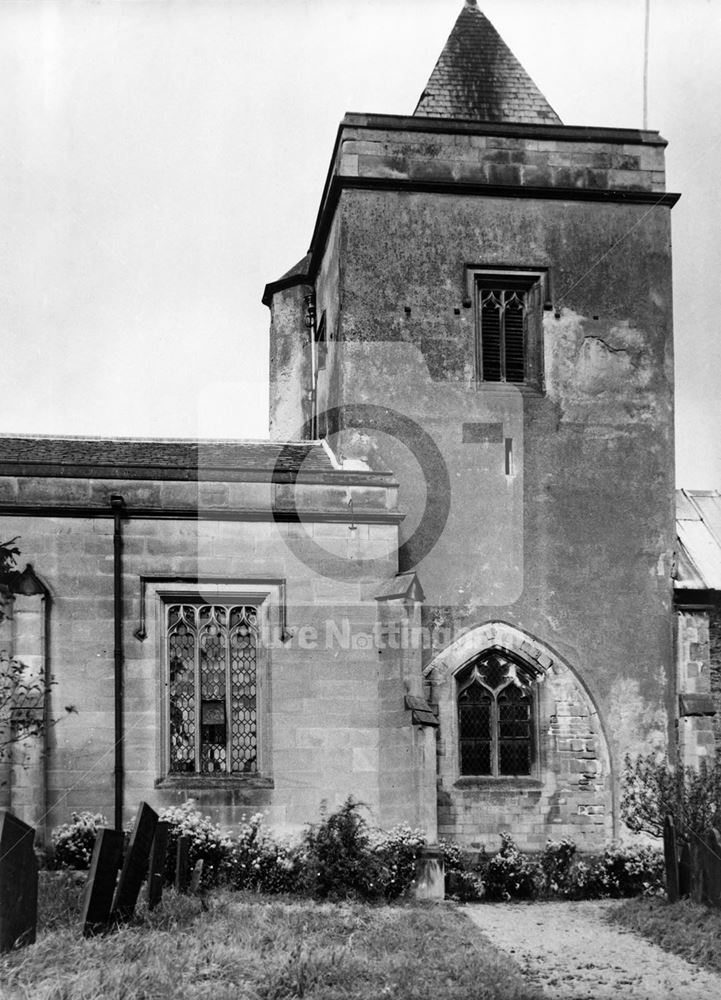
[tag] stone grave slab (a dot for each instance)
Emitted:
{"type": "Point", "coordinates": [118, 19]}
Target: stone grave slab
{"type": "Point", "coordinates": [156, 869]}
{"type": "Point", "coordinates": [684, 871]}
{"type": "Point", "coordinates": [100, 887]}
{"type": "Point", "coordinates": [182, 864]}
{"type": "Point", "coordinates": [135, 865]}
{"type": "Point", "coordinates": [670, 854]}
{"type": "Point", "coordinates": [18, 883]}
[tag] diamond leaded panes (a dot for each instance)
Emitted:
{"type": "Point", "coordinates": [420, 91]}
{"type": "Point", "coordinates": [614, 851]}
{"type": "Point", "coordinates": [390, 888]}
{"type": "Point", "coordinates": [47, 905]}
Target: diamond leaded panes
{"type": "Point", "coordinates": [495, 717]}
{"type": "Point", "coordinates": [213, 682]}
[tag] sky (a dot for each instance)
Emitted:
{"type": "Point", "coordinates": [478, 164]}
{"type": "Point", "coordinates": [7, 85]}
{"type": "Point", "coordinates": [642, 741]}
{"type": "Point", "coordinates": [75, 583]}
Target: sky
{"type": "Point", "coordinates": [161, 160]}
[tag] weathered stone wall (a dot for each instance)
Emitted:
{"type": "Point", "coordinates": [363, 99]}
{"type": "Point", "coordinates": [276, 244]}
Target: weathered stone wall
{"type": "Point", "coordinates": [569, 792]}
{"type": "Point", "coordinates": [560, 157]}
{"type": "Point", "coordinates": [289, 364]}
{"type": "Point", "coordinates": [694, 679]}
{"type": "Point", "coordinates": [715, 665]}
{"type": "Point", "coordinates": [570, 542]}
{"type": "Point", "coordinates": [333, 718]}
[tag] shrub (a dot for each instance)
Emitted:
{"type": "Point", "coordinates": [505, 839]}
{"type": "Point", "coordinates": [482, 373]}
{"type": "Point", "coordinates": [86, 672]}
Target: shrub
{"type": "Point", "coordinates": [207, 842]}
{"type": "Point", "coordinates": [463, 886]}
{"type": "Point", "coordinates": [397, 851]}
{"type": "Point", "coordinates": [73, 842]}
{"type": "Point", "coordinates": [259, 863]}
{"type": "Point", "coordinates": [461, 883]}
{"type": "Point", "coordinates": [339, 859]}
{"type": "Point", "coordinates": [626, 870]}
{"type": "Point", "coordinates": [556, 868]}
{"type": "Point", "coordinates": [652, 788]}
{"type": "Point", "coordinates": [509, 874]}
{"type": "Point", "coordinates": [453, 858]}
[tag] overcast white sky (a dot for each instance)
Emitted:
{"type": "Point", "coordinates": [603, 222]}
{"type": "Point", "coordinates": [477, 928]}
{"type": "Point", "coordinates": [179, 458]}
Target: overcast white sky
{"type": "Point", "coordinates": [161, 160]}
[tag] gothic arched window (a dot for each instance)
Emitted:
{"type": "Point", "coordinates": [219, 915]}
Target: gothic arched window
{"type": "Point", "coordinates": [495, 717]}
{"type": "Point", "coordinates": [212, 659]}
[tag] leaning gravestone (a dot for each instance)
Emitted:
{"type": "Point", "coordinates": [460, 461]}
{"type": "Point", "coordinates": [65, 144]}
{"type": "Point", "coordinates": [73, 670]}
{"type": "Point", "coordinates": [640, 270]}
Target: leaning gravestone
{"type": "Point", "coordinates": [698, 871]}
{"type": "Point", "coordinates": [100, 887]}
{"type": "Point", "coordinates": [182, 864]}
{"type": "Point", "coordinates": [713, 885]}
{"type": "Point", "coordinates": [135, 865]}
{"type": "Point", "coordinates": [684, 871]}
{"type": "Point", "coordinates": [156, 870]}
{"type": "Point", "coordinates": [18, 883]}
{"type": "Point", "coordinates": [670, 854]}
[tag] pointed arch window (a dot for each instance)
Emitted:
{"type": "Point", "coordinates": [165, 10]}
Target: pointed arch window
{"type": "Point", "coordinates": [212, 652]}
{"type": "Point", "coordinates": [509, 307]}
{"type": "Point", "coordinates": [495, 717]}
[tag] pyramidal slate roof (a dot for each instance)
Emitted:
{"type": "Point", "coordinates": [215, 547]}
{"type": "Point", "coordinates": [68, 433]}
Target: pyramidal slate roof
{"type": "Point", "coordinates": [478, 78]}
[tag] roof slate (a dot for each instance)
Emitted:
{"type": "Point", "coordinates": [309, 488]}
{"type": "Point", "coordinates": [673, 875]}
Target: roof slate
{"type": "Point", "coordinates": [95, 456]}
{"type": "Point", "coordinates": [112, 458]}
{"type": "Point", "coordinates": [477, 77]}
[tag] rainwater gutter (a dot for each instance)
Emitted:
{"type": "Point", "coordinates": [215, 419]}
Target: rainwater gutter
{"type": "Point", "coordinates": [118, 507]}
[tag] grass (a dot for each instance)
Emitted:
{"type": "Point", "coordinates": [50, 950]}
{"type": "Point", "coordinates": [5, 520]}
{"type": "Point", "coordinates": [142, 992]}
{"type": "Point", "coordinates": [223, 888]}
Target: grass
{"type": "Point", "coordinates": [684, 928]}
{"type": "Point", "coordinates": [243, 947]}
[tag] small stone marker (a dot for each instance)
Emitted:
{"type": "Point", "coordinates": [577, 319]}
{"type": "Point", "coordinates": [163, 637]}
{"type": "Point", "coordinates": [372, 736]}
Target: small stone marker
{"type": "Point", "coordinates": [156, 870]}
{"type": "Point", "coordinates": [684, 871]}
{"type": "Point", "coordinates": [135, 866]}
{"type": "Point", "coordinates": [670, 854]}
{"type": "Point", "coordinates": [18, 883]}
{"type": "Point", "coordinates": [100, 887]}
{"type": "Point", "coordinates": [182, 864]}
{"type": "Point", "coordinates": [430, 877]}
{"type": "Point", "coordinates": [196, 877]}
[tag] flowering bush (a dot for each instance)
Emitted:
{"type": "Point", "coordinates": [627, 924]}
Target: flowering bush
{"type": "Point", "coordinates": [259, 863]}
{"type": "Point", "coordinates": [557, 873]}
{"type": "Point", "coordinates": [625, 870]}
{"type": "Point", "coordinates": [453, 860]}
{"type": "Point", "coordinates": [509, 874]}
{"type": "Point", "coordinates": [397, 851]}
{"type": "Point", "coordinates": [207, 842]}
{"type": "Point", "coordinates": [464, 886]}
{"type": "Point", "coordinates": [73, 842]}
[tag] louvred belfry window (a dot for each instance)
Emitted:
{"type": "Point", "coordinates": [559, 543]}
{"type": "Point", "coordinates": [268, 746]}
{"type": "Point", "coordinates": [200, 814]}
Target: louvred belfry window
{"type": "Point", "coordinates": [495, 717]}
{"type": "Point", "coordinates": [213, 682]}
{"type": "Point", "coordinates": [508, 327]}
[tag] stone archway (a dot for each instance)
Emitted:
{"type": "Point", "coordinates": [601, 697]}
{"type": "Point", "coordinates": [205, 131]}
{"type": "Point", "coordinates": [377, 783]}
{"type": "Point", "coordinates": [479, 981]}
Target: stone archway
{"type": "Point", "coordinates": [571, 790]}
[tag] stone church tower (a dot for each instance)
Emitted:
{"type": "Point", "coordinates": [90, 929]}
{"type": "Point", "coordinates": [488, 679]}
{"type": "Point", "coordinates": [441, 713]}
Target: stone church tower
{"type": "Point", "coordinates": [444, 586]}
{"type": "Point", "coordinates": [485, 310]}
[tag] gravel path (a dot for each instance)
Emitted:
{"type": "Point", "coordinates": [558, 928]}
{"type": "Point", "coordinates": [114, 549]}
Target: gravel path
{"type": "Point", "coordinates": [572, 953]}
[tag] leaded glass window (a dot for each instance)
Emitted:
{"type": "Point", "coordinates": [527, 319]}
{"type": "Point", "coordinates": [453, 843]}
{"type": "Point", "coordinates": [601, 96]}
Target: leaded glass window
{"type": "Point", "coordinates": [212, 654]}
{"type": "Point", "coordinates": [495, 717]}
